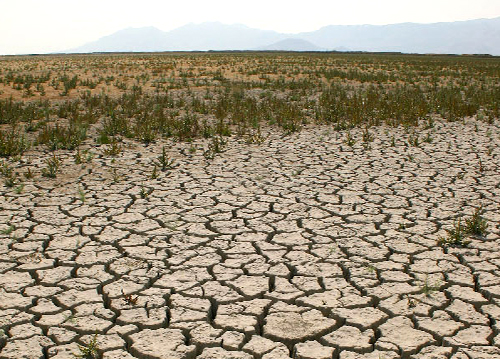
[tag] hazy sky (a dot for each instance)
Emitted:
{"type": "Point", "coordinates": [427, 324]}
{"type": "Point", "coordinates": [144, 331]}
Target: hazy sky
{"type": "Point", "coordinates": [38, 26]}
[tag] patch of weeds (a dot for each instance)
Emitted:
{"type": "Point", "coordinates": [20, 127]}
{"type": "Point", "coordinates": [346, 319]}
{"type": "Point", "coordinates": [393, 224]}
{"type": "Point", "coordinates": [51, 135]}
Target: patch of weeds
{"type": "Point", "coordinates": [116, 176]}
{"type": "Point", "coordinates": [413, 140]}
{"type": "Point", "coordinates": [255, 137]}
{"type": "Point", "coordinates": [367, 136]}
{"type": "Point", "coordinates": [12, 143]}
{"type": "Point", "coordinates": [164, 161]}
{"type": "Point", "coordinates": [78, 157]}
{"type": "Point", "coordinates": [143, 193]}
{"type": "Point", "coordinates": [28, 174]}
{"type": "Point", "coordinates": [218, 145]}
{"type": "Point", "coordinates": [19, 189]}
{"type": "Point", "coordinates": [8, 172]}
{"type": "Point", "coordinates": [370, 268]}
{"type": "Point", "coordinates": [89, 351]}
{"type": "Point", "coordinates": [457, 236]}
{"type": "Point", "coordinates": [10, 181]}
{"type": "Point", "coordinates": [84, 156]}
{"type": "Point", "coordinates": [114, 149]}
{"type": "Point", "coordinates": [350, 141]}
{"type": "Point", "coordinates": [428, 138]}
{"type": "Point", "coordinates": [154, 174]}
{"type": "Point", "coordinates": [7, 231]}
{"type": "Point", "coordinates": [476, 225]}
{"type": "Point", "coordinates": [53, 165]}
{"type": "Point", "coordinates": [81, 194]}
{"type": "Point", "coordinates": [427, 289]}
{"type": "Point", "coordinates": [88, 155]}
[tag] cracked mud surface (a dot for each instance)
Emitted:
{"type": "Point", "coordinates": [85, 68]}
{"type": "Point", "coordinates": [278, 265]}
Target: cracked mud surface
{"type": "Point", "coordinates": [301, 247]}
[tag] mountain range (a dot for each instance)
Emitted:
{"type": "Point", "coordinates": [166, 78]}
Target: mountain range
{"type": "Point", "coordinates": [481, 36]}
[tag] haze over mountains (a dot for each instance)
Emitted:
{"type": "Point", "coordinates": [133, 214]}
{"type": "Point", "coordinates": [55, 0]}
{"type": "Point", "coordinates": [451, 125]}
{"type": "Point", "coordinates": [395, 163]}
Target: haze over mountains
{"type": "Point", "coordinates": [480, 36]}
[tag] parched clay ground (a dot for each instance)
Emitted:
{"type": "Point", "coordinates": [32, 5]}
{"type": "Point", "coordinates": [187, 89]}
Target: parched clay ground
{"type": "Point", "coordinates": [301, 247]}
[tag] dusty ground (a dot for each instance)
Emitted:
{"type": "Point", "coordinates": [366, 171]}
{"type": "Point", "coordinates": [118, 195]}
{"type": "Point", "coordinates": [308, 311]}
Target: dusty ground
{"type": "Point", "coordinates": [300, 247]}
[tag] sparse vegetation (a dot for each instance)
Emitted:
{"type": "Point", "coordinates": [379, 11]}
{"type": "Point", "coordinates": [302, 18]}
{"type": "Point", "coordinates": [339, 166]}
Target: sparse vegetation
{"type": "Point", "coordinates": [81, 194]}
{"type": "Point", "coordinates": [164, 162]}
{"type": "Point", "coordinates": [459, 234]}
{"type": "Point", "coordinates": [89, 351]}
{"type": "Point", "coordinates": [7, 231]}
{"type": "Point", "coordinates": [476, 225]}
{"type": "Point", "coordinates": [214, 98]}
{"type": "Point", "coordinates": [427, 288]}
{"type": "Point", "coordinates": [52, 168]}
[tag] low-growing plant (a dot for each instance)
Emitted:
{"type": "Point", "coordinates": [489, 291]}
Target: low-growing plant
{"type": "Point", "coordinates": [12, 143]}
{"type": "Point", "coordinates": [217, 145]}
{"type": "Point", "coordinates": [154, 173]}
{"type": "Point", "coordinates": [114, 148]}
{"type": "Point", "coordinates": [427, 289]}
{"type": "Point", "coordinates": [7, 231]}
{"type": "Point", "coordinates": [81, 194]}
{"type": "Point", "coordinates": [10, 178]}
{"type": "Point", "coordinates": [164, 162]}
{"type": "Point", "coordinates": [367, 136]}
{"type": "Point", "coordinates": [78, 157]}
{"type": "Point", "coordinates": [89, 351]}
{"type": "Point", "coordinates": [476, 225]}
{"type": "Point", "coordinates": [28, 174]}
{"type": "Point", "coordinates": [19, 189]}
{"type": "Point", "coordinates": [116, 176]}
{"type": "Point", "coordinates": [52, 168]}
{"type": "Point", "coordinates": [255, 137]}
{"type": "Point", "coordinates": [457, 236]}
{"type": "Point", "coordinates": [349, 140]}
{"type": "Point", "coordinates": [143, 193]}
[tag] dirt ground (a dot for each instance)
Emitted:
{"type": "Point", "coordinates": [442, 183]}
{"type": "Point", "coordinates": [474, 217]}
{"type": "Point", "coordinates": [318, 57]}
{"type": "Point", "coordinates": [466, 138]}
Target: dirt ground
{"type": "Point", "coordinates": [301, 247]}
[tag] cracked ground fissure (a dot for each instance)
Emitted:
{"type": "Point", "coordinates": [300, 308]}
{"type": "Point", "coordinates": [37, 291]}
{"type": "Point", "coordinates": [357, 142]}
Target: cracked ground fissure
{"type": "Point", "coordinates": [302, 247]}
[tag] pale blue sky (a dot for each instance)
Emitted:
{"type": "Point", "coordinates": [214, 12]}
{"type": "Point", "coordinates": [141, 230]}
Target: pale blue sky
{"type": "Point", "coordinates": [39, 26]}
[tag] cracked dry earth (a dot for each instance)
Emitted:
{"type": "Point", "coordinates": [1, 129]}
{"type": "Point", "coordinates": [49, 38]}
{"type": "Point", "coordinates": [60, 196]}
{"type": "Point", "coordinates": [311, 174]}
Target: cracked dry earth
{"type": "Point", "coordinates": [301, 247]}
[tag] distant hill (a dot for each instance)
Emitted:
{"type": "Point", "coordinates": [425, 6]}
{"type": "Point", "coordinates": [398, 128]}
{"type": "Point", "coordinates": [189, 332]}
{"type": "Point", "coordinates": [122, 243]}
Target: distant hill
{"type": "Point", "coordinates": [291, 44]}
{"type": "Point", "coordinates": [480, 36]}
{"type": "Point", "coordinates": [461, 37]}
{"type": "Point", "coordinates": [127, 40]}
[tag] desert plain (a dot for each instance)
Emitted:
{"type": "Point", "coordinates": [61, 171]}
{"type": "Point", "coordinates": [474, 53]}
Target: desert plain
{"type": "Point", "coordinates": [253, 206]}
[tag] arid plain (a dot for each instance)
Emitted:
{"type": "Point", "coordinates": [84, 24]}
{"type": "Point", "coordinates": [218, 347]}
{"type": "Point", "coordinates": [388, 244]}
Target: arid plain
{"type": "Point", "coordinates": [246, 205]}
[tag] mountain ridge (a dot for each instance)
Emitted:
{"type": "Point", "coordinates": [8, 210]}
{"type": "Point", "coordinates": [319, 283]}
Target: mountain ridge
{"type": "Point", "coordinates": [478, 36]}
